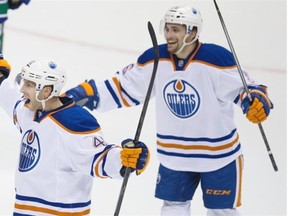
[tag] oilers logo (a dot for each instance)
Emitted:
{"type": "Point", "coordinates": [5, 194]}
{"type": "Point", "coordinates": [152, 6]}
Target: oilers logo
{"type": "Point", "coordinates": [30, 151]}
{"type": "Point", "coordinates": [181, 98]}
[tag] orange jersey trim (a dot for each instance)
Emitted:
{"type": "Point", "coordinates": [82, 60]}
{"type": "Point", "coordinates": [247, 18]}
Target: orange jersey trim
{"type": "Point", "coordinates": [50, 211]}
{"type": "Point", "coordinates": [198, 147]}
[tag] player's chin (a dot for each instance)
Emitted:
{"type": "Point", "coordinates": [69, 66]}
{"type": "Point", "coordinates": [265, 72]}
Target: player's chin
{"type": "Point", "coordinates": [172, 48]}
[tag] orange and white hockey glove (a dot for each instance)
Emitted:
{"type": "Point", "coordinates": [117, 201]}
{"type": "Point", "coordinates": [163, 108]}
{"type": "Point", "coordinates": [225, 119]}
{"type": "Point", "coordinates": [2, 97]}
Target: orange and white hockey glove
{"type": "Point", "coordinates": [259, 108]}
{"type": "Point", "coordinates": [136, 156]}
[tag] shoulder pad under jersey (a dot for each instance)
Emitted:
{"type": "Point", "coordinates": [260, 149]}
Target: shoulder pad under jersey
{"type": "Point", "coordinates": [76, 119]}
{"type": "Point", "coordinates": [148, 55]}
{"type": "Point", "coordinates": [216, 55]}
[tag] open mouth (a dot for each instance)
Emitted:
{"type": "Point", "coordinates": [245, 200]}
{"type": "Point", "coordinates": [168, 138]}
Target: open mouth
{"type": "Point", "coordinates": [27, 101]}
{"type": "Point", "coordinates": [172, 42]}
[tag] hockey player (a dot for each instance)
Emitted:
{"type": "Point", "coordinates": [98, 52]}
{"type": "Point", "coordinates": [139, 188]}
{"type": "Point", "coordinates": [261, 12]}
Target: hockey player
{"type": "Point", "coordinates": [62, 146]}
{"type": "Point", "coordinates": [5, 5]}
{"type": "Point", "coordinates": [195, 88]}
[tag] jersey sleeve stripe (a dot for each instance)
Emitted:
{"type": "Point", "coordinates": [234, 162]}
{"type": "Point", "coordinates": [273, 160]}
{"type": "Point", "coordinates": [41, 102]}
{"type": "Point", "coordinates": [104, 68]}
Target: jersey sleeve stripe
{"type": "Point", "coordinates": [120, 96]}
{"type": "Point", "coordinates": [114, 96]}
{"type": "Point", "coordinates": [99, 163]}
{"type": "Point", "coordinates": [116, 82]}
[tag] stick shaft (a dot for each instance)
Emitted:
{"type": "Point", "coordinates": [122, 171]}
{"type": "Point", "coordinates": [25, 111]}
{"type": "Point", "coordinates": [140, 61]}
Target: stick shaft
{"type": "Point", "coordinates": [142, 116]}
{"type": "Point", "coordinates": [245, 85]}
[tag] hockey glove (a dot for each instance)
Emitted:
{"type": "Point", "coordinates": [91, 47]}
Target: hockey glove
{"type": "Point", "coordinates": [5, 68]}
{"type": "Point", "coordinates": [136, 156]}
{"type": "Point", "coordinates": [85, 94]}
{"type": "Point", "coordinates": [259, 108]}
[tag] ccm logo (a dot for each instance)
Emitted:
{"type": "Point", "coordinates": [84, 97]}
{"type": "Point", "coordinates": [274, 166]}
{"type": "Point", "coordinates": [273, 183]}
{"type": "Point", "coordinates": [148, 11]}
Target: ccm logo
{"type": "Point", "coordinates": [218, 192]}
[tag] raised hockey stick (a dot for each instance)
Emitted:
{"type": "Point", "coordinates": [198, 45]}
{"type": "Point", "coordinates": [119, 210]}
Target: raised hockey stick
{"type": "Point", "coordinates": [245, 85]}
{"type": "Point", "coordinates": [142, 116]}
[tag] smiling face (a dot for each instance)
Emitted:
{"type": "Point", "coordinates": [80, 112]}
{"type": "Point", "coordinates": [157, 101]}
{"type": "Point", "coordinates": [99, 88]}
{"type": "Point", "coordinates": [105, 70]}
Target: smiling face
{"type": "Point", "coordinates": [181, 26]}
{"type": "Point", "coordinates": [174, 35]}
{"type": "Point", "coordinates": [179, 42]}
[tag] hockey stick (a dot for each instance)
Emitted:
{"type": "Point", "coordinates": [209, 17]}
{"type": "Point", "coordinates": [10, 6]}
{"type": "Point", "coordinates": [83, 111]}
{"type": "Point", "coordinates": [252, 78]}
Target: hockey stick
{"type": "Point", "coordinates": [245, 85]}
{"type": "Point", "coordinates": [142, 116]}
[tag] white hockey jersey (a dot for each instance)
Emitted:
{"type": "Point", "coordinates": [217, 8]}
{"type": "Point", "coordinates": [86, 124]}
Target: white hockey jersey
{"type": "Point", "coordinates": [194, 104]}
{"type": "Point", "coordinates": [60, 153]}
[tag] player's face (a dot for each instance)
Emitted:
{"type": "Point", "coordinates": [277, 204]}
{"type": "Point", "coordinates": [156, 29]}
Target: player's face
{"type": "Point", "coordinates": [174, 35]}
{"type": "Point", "coordinates": [29, 93]}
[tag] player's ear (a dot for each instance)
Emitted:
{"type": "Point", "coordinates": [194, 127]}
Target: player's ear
{"type": "Point", "coordinates": [194, 32]}
{"type": "Point", "coordinates": [47, 90]}
{"type": "Point", "coordinates": [192, 35]}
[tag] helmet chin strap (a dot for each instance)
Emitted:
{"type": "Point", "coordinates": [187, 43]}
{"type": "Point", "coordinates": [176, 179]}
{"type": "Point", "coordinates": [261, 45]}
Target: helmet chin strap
{"type": "Point", "coordinates": [185, 43]}
{"type": "Point", "coordinates": [43, 105]}
{"type": "Point", "coordinates": [42, 101]}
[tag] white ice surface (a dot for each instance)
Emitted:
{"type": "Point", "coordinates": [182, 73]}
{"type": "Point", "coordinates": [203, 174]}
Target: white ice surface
{"type": "Point", "coordinates": [93, 39]}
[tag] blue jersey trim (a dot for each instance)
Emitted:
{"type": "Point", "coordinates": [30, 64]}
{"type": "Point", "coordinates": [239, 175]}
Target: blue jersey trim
{"type": "Point", "coordinates": [54, 204]}
{"type": "Point", "coordinates": [76, 119]}
{"type": "Point", "coordinates": [216, 55]}
{"type": "Point", "coordinates": [110, 89]}
{"type": "Point", "coordinates": [136, 102]}
{"type": "Point", "coordinates": [193, 139]}
{"type": "Point", "coordinates": [18, 214]}
{"type": "Point", "coordinates": [104, 161]}
{"type": "Point", "coordinates": [148, 55]}
{"type": "Point", "coordinates": [208, 53]}
{"type": "Point", "coordinates": [199, 155]}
